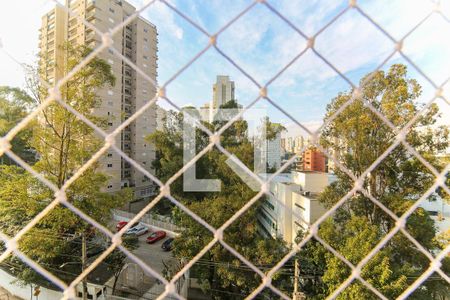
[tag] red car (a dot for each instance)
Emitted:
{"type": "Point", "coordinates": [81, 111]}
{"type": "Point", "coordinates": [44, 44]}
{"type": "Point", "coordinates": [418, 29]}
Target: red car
{"type": "Point", "coordinates": [156, 236]}
{"type": "Point", "coordinates": [122, 224]}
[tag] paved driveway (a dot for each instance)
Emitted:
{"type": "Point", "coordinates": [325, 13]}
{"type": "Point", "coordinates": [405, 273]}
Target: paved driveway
{"type": "Point", "coordinates": [152, 254]}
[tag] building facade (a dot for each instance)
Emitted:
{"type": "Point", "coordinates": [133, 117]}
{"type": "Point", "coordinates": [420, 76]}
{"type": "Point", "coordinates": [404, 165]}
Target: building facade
{"type": "Point", "coordinates": [313, 160]}
{"type": "Point", "coordinates": [223, 91]}
{"type": "Point", "coordinates": [273, 152]}
{"type": "Point", "coordinates": [137, 41]}
{"type": "Point", "coordinates": [294, 205]}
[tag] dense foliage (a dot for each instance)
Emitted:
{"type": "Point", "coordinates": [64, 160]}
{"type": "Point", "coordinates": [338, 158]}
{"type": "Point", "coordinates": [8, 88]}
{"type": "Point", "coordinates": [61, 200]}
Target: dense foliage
{"type": "Point", "coordinates": [61, 144]}
{"type": "Point", "coordinates": [222, 274]}
{"type": "Point", "coordinates": [359, 137]}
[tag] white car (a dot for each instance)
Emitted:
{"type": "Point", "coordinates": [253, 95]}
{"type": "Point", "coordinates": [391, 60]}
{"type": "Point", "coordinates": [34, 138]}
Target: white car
{"type": "Point", "coordinates": [139, 229]}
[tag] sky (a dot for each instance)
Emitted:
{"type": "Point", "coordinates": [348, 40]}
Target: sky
{"type": "Point", "coordinates": [262, 44]}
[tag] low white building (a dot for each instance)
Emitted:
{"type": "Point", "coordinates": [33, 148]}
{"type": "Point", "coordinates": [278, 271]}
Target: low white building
{"type": "Point", "coordinates": [294, 206]}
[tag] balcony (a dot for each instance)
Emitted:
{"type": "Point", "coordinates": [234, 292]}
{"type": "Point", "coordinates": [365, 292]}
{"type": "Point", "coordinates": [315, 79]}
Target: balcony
{"type": "Point", "coordinates": [90, 15]}
{"type": "Point", "coordinates": [92, 37]}
{"type": "Point", "coordinates": [90, 4]}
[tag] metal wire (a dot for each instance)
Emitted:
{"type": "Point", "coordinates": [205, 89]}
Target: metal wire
{"type": "Point", "coordinates": [266, 277]}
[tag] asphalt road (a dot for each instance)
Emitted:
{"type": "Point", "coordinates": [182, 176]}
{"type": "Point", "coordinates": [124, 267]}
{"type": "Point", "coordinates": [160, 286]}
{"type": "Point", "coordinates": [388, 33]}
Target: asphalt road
{"type": "Point", "coordinates": [152, 254]}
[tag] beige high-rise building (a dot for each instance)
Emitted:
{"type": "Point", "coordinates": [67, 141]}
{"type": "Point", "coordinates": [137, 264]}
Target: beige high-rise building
{"type": "Point", "coordinates": [138, 42]}
{"type": "Point", "coordinates": [223, 91]}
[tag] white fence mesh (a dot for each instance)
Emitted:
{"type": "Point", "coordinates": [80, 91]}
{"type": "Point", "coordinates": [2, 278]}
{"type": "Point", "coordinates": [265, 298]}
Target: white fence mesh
{"type": "Point", "coordinates": [60, 194]}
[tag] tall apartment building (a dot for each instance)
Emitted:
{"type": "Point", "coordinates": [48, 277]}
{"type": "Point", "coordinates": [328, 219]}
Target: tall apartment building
{"type": "Point", "coordinates": [138, 42]}
{"type": "Point", "coordinates": [223, 91]}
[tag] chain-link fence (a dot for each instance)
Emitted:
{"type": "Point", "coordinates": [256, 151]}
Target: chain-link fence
{"type": "Point", "coordinates": [218, 233]}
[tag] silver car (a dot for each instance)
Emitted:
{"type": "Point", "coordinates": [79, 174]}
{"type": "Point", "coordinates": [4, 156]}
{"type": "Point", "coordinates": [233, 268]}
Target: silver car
{"type": "Point", "coordinates": [139, 229]}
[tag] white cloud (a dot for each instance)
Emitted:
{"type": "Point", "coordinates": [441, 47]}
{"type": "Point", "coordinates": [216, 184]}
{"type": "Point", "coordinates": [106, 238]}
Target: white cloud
{"type": "Point", "coordinates": [164, 16]}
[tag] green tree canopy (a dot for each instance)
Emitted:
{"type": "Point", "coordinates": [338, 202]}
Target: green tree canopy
{"type": "Point", "coordinates": [222, 274]}
{"type": "Point", "coordinates": [359, 137]}
{"type": "Point", "coordinates": [63, 143]}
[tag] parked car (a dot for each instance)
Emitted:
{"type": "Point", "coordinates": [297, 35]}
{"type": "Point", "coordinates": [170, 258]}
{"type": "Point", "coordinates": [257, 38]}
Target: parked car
{"type": "Point", "coordinates": [138, 229]}
{"type": "Point", "coordinates": [167, 245]}
{"type": "Point", "coordinates": [122, 224]}
{"type": "Point", "coordinates": [156, 236]}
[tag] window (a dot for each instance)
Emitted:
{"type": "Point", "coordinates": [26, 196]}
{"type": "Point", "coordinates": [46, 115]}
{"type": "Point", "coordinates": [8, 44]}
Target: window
{"type": "Point", "coordinates": [300, 225]}
{"type": "Point", "coordinates": [73, 32]}
{"type": "Point", "coordinates": [111, 10]}
{"type": "Point", "coordinates": [270, 205]}
{"type": "Point", "coordinates": [110, 51]}
{"type": "Point", "coordinates": [110, 93]}
{"type": "Point", "coordinates": [145, 40]}
{"type": "Point", "coordinates": [109, 165]}
{"type": "Point", "coordinates": [110, 124]}
{"type": "Point", "coordinates": [145, 30]}
{"type": "Point", "coordinates": [109, 154]}
{"type": "Point", "coordinates": [51, 26]}
{"type": "Point", "coordinates": [109, 187]}
{"type": "Point", "coordinates": [299, 206]}
{"type": "Point", "coordinates": [145, 57]}
{"type": "Point", "coordinates": [109, 113]}
{"type": "Point", "coordinates": [144, 162]}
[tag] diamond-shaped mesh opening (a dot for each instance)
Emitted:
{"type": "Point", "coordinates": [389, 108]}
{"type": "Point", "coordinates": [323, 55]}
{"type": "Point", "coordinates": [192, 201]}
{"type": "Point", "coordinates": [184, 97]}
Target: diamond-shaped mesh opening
{"type": "Point", "coordinates": [254, 43]}
{"type": "Point", "coordinates": [390, 274]}
{"type": "Point", "coordinates": [353, 30]}
{"type": "Point", "coordinates": [249, 234]}
{"type": "Point", "coordinates": [317, 83]}
{"type": "Point", "coordinates": [177, 37]}
{"type": "Point", "coordinates": [192, 87]}
{"type": "Point", "coordinates": [335, 273]}
{"type": "Point", "coordinates": [352, 233]}
{"type": "Point", "coordinates": [349, 132]}
{"type": "Point", "coordinates": [318, 14]}
{"type": "Point", "coordinates": [23, 197]}
{"type": "Point", "coordinates": [425, 48]}
{"type": "Point", "coordinates": [219, 272]}
{"type": "Point", "coordinates": [311, 263]}
{"type": "Point", "coordinates": [433, 286]}
{"type": "Point", "coordinates": [390, 21]}
{"type": "Point", "coordinates": [432, 214]}
{"type": "Point", "coordinates": [397, 181]}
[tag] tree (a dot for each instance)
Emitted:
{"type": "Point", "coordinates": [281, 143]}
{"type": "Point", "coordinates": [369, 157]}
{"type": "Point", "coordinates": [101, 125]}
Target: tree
{"type": "Point", "coordinates": [359, 137]}
{"type": "Point", "coordinates": [221, 274]}
{"type": "Point", "coordinates": [15, 104]}
{"type": "Point", "coordinates": [63, 144]}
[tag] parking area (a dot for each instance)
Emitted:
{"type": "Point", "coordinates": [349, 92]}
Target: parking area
{"type": "Point", "coordinates": [152, 254]}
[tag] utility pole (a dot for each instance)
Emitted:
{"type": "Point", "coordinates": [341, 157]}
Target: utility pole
{"type": "Point", "coordinates": [297, 295]}
{"type": "Point", "coordinates": [83, 264]}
